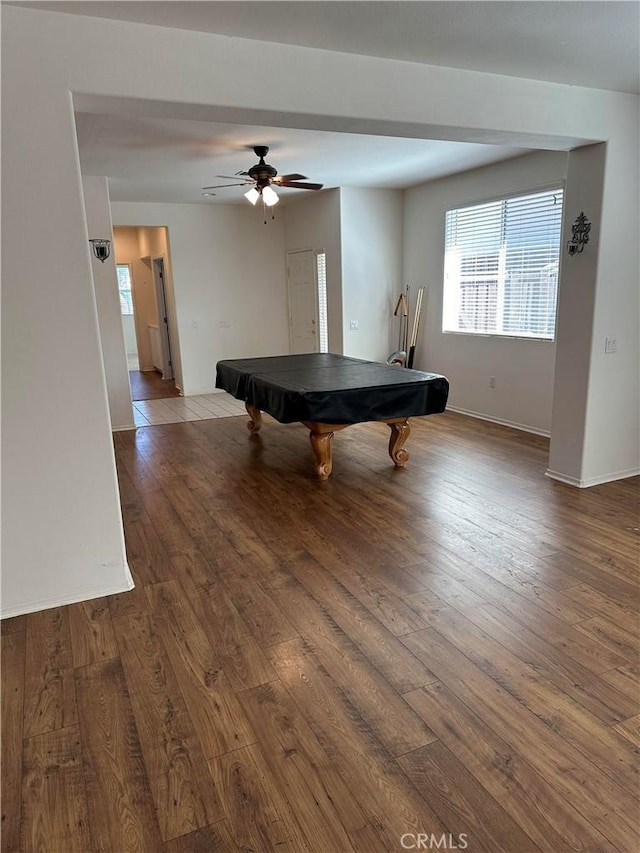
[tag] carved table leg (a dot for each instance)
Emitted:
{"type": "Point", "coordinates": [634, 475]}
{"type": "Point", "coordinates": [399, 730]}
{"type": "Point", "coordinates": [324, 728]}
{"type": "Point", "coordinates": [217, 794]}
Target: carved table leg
{"type": "Point", "coordinates": [321, 445]}
{"type": "Point", "coordinates": [399, 434]}
{"type": "Point", "coordinates": [320, 435]}
{"type": "Point", "coordinates": [255, 416]}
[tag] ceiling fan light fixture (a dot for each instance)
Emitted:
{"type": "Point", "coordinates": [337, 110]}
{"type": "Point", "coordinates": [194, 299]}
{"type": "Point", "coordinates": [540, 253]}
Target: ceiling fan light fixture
{"type": "Point", "coordinates": [263, 178]}
{"type": "Point", "coordinates": [269, 196]}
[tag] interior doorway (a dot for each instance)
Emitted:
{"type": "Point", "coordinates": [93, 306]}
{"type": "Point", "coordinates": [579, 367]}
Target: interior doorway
{"type": "Point", "coordinates": [148, 311]}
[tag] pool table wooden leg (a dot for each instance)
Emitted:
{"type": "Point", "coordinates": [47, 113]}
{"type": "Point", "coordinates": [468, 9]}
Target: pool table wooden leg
{"type": "Point", "coordinates": [400, 431]}
{"type": "Point", "coordinates": [320, 436]}
{"type": "Point", "coordinates": [255, 416]}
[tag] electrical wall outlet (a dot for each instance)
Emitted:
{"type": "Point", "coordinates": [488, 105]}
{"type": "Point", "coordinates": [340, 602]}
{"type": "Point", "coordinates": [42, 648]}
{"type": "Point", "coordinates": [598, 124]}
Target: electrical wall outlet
{"type": "Point", "coordinates": [610, 345]}
{"type": "Point", "coordinates": [492, 382]}
{"type": "Point", "coordinates": [353, 325]}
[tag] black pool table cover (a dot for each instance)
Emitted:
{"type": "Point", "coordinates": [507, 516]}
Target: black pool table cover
{"type": "Point", "coordinates": [333, 389]}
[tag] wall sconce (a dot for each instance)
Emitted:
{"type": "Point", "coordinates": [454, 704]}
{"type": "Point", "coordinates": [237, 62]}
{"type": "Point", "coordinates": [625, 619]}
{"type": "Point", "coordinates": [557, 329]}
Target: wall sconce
{"type": "Point", "coordinates": [101, 249]}
{"type": "Point", "coordinates": [580, 234]}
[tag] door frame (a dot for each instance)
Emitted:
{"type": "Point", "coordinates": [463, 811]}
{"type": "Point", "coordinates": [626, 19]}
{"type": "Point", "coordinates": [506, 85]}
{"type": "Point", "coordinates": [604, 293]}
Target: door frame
{"type": "Point", "coordinates": [159, 273]}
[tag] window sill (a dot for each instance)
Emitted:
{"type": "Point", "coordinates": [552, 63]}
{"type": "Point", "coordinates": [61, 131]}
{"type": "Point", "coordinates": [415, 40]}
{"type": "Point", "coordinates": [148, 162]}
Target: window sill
{"type": "Point", "coordinates": [497, 336]}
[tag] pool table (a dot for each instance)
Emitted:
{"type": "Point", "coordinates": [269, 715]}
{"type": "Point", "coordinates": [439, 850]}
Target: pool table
{"type": "Point", "coordinates": [328, 392]}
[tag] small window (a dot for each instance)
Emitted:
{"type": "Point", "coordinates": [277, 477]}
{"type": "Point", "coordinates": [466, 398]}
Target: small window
{"type": "Point", "coordinates": [501, 266]}
{"type": "Point", "coordinates": [124, 286]}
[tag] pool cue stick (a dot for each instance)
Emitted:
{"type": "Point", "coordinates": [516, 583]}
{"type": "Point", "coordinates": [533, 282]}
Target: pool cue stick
{"type": "Point", "coordinates": [416, 325]}
{"type": "Point", "coordinates": [411, 347]}
{"type": "Point", "coordinates": [405, 321]}
{"type": "Point", "coordinates": [407, 304]}
{"type": "Point", "coordinates": [402, 308]}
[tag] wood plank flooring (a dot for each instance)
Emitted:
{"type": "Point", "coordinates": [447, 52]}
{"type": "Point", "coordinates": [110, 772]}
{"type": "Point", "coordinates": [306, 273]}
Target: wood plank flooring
{"type": "Point", "coordinates": [447, 652]}
{"type": "Point", "coordinates": [149, 385]}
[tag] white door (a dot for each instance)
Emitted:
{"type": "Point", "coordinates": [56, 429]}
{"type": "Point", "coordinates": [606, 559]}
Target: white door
{"type": "Point", "coordinates": [303, 302]}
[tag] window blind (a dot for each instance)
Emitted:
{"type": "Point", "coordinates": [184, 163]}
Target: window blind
{"type": "Point", "coordinates": [124, 287]}
{"type": "Point", "coordinates": [323, 329]}
{"type": "Point", "coordinates": [501, 266]}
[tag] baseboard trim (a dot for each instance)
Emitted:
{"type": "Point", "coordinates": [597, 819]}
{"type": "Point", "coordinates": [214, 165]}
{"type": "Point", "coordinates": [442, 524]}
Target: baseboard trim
{"type": "Point", "coordinates": [563, 478]}
{"type": "Point", "coordinates": [194, 393]}
{"type": "Point", "coordinates": [499, 421]}
{"type": "Point", "coordinates": [85, 595]}
{"type": "Point", "coordinates": [123, 427]}
{"type": "Point", "coordinates": [591, 481]}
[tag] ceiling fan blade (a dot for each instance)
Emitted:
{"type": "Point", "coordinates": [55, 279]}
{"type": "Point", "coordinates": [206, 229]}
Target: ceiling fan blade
{"type": "Point", "coordinates": [224, 186]}
{"type": "Point", "coordinates": [232, 177]}
{"type": "Point", "coordinates": [238, 174]}
{"type": "Point", "coordinates": [293, 177]}
{"type": "Point", "coordinates": [298, 186]}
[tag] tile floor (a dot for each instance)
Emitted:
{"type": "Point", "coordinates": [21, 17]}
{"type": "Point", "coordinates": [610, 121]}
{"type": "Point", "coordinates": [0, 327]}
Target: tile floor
{"type": "Point", "coordinates": [176, 409]}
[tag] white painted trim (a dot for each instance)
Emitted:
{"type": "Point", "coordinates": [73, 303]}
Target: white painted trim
{"type": "Point", "coordinates": [201, 392]}
{"type": "Point", "coordinates": [563, 478]}
{"type": "Point", "coordinates": [48, 603]}
{"type": "Point", "coordinates": [123, 427]}
{"type": "Point", "coordinates": [592, 481]}
{"type": "Point", "coordinates": [500, 421]}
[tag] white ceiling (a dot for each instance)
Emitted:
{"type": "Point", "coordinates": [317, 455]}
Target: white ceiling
{"type": "Point", "coordinates": [170, 160]}
{"type": "Point", "coordinates": [581, 42]}
{"type": "Point", "coordinates": [591, 43]}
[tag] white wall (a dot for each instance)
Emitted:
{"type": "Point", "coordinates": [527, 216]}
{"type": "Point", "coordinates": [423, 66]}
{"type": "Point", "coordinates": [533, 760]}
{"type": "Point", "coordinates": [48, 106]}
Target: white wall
{"type": "Point", "coordinates": [71, 487]}
{"type": "Point", "coordinates": [313, 222]}
{"type": "Point", "coordinates": [524, 370]}
{"type": "Point", "coordinates": [114, 356]}
{"type": "Point", "coordinates": [228, 268]}
{"type": "Point", "coordinates": [371, 230]}
{"type": "Point", "coordinates": [129, 331]}
{"type": "Point", "coordinates": [611, 439]}
{"type": "Point", "coordinates": [62, 528]}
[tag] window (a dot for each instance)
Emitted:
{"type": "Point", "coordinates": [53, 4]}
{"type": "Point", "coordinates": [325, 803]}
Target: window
{"type": "Point", "coordinates": [321, 274]}
{"type": "Point", "coordinates": [501, 266]}
{"type": "Point", "coordinates": [124, 286]}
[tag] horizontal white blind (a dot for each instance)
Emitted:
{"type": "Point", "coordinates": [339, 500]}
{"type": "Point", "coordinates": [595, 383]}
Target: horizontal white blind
{"type": "Point", "coordinates": [323, 327]}
{"type": "Point", "coordinates": [501, 266]}
{"type": "Point", "coordinates": [124, 287]}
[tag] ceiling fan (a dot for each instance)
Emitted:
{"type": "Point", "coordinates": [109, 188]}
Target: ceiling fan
{"type": "Point", "coordinates": [262, 177]}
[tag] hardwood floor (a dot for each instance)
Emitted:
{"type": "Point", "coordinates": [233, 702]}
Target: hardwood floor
{"type": "Point", "coordinates": [151, 386]}
{"type": "Point", "coordinates": [448, 650]}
